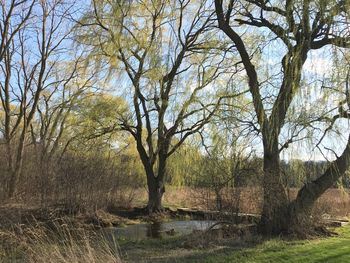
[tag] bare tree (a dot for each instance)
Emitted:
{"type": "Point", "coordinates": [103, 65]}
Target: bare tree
{"type": "Point", "coordinates": [14, 16]}
{"type": "Point", "coordinates": [35, 36]}
{"type": "Point", "coordinates": [56, 105]}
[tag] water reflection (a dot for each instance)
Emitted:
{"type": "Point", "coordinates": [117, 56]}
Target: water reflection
{"type": "Point", "coordinates": [159, 229]}
{"type": "Point", "coordinates": [154, 230]}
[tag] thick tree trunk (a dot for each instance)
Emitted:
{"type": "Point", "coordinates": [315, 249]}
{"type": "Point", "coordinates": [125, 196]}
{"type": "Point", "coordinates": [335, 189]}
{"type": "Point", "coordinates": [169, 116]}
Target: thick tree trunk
{"type": "Point", "coordinates": [155, 182]}
{"type": "Point", "coordinates": [156, 187]}
{"type": "Point", "coordinates": [155, 194]}
{"type": "Point", "coordinates": [275, 201]}
{"type": "Point", "coordinates": [278, 216]}
{"type": "Point", "coordinates": [311, 191]}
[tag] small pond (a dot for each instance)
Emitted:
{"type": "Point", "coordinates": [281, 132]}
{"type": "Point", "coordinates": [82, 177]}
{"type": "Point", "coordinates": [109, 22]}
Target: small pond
{"type": "Point", "coordinates": [159, 229]}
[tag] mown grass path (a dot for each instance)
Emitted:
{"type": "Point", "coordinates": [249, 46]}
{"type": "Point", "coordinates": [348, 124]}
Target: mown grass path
{"type": "Point", "coordinates": [332, 250]}
{"type": "Point", "coordinates": [335, 249]}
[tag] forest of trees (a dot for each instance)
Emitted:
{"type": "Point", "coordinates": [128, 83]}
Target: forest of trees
{"type": "Point", "coordinates": [105, 96]}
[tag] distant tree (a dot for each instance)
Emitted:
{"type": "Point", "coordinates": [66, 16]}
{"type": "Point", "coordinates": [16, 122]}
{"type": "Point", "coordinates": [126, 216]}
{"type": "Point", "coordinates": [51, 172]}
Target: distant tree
{"type": "Point", "coordinates": [182, 163]}
{"type": "Point", "coordinates": [100, 114]}
{"type": "Point", "coordinates": [56, 105]}
{"type": "Point", "coordinates": [294, 173]}
{"type": "Point", "coordinates": [226, 161]}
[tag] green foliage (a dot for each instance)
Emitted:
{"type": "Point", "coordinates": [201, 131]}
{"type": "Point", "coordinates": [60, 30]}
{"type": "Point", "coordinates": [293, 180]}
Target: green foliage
{"type": "Point", "coordinates": [99, 116]}
{"type": "Point", "coordinates": [181, 165]}
{"type": "Point", "coordinates": [295, 174]}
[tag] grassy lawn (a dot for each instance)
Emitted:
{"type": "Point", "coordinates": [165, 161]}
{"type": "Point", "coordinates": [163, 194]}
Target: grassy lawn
{"type": "Point", "coordinates": [335, 249]}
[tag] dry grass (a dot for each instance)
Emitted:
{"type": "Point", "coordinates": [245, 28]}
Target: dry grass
{"type": "Point", "coordinates": [60, 244]}
{"type": "Point", "coordinates": [335, 202]}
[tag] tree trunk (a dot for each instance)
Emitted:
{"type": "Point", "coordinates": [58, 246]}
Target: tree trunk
{"type": "Point", "coordinates": [275, 200]}
{"type": "Point", "coordinates": [156, 190]}
{"type": "Point", "coordinates": [311, 191]}
{"type": "Point", "coordinates": [218, 199]}
{"type": "Point", "coordinates": [16, 172]}
{"type": "Point", "coordinates": [13, 183]}
{"type": "Point", "coordinates": [14, 176]}
{"type": "Point", "coordinates": [155, 183]}
{"type": "Point", "coordinates": [278, 216]}
{"type": "Point", "coordinates": [9, 170]}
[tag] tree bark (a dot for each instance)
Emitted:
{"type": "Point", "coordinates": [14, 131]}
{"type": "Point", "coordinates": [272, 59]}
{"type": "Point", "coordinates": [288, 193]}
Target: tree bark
{"type": "Point", "coordinates": [156, 190]}
{"type": "Point", "coordinates": [17, 170]}
{"type": "Point", "coordinates": [14, 177]}
{"type": "Point", "coordinates": [15, 174]}
{"type": "Point", "coordinates": [155, 181]}
{"type": "Point", "coordinates": [275, 200]}
{"type": "Point", "coordinates": [311, 191]}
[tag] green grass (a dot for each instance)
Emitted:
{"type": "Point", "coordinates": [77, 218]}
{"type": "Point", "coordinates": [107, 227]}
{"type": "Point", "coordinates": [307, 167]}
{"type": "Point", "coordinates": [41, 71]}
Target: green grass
{"type": "Point", "coordinates": [334, 249]}
{"type": "Point", "coordinates": [326, 250]}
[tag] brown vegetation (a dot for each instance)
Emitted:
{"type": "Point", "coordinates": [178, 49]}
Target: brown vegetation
{"type": "Point", "coordinates": [61, 243]}
{"type": "Point", "coordinates": [334, 202]}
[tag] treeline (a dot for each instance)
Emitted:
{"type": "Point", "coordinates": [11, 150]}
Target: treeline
{"type": "Point", "coordinates": [96, 174]}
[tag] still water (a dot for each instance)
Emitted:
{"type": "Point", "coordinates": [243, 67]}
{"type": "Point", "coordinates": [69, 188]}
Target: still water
{"type": "Point", "coordinates": [159, 229]}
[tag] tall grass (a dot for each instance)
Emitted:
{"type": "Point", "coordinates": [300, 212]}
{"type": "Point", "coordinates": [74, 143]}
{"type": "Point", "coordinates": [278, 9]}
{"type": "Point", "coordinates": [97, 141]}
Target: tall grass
{"type": "Point", "coordinates": [57, 244]}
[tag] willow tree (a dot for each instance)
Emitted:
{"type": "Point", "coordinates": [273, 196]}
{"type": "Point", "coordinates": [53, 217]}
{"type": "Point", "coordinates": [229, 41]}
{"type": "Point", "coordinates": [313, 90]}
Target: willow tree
{"type": "Point", "coordinates": [298, 27]}
{"type": "Point", "coordinates": [168, 54]}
